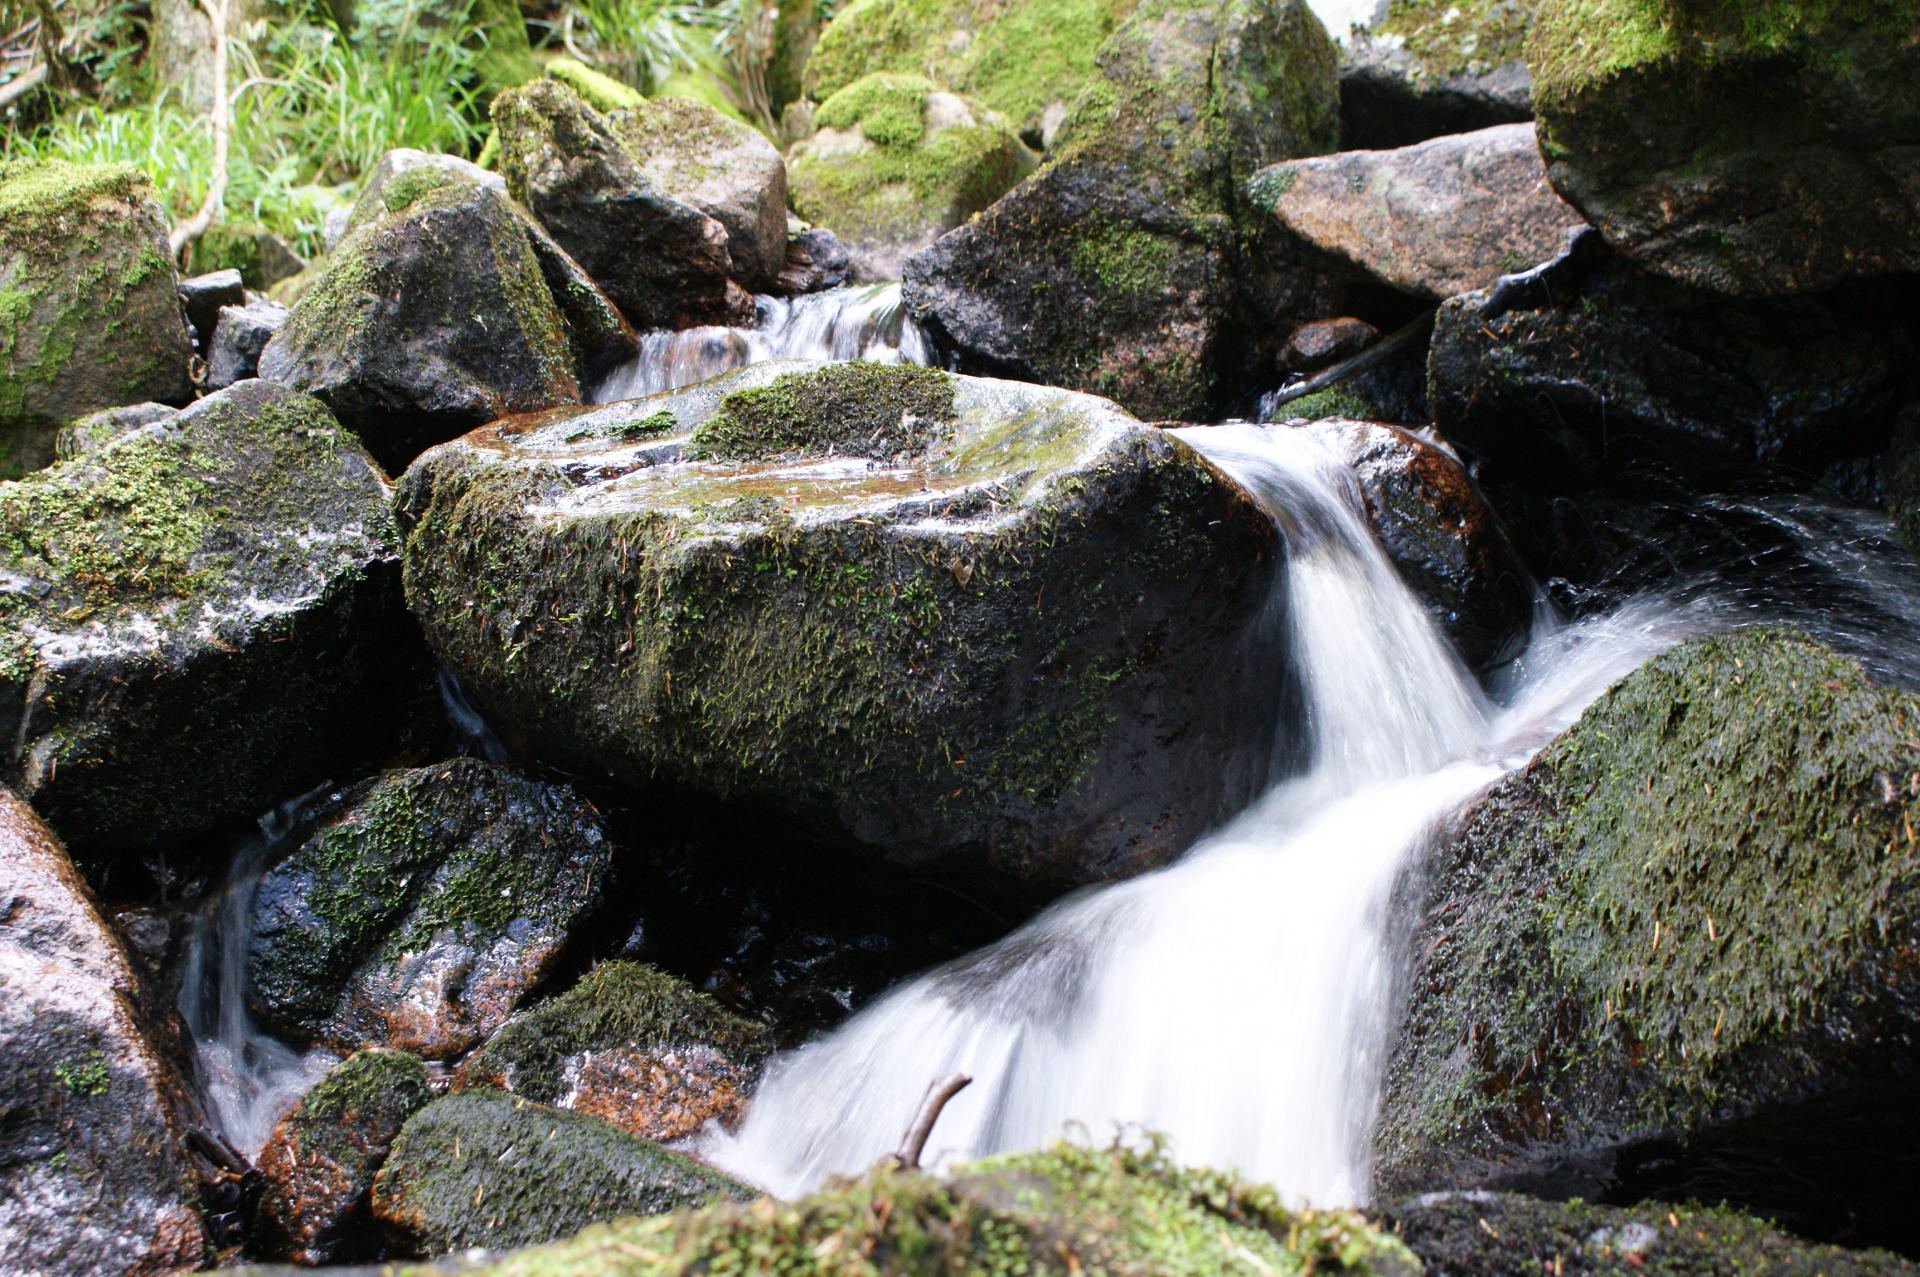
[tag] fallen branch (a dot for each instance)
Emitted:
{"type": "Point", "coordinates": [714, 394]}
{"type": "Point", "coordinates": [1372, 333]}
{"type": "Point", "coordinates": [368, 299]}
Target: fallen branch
{"type": "Point", "coordinates": [222, 122]}
{"type": "Point", "coordinates": [914, 1142]}
{"type": "Point", "coordinates": [21, 85]}
{"type": "Point", "coordinates": [1372, 357]}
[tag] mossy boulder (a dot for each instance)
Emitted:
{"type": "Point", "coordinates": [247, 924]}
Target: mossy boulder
{"type": "Point", "coordinates": [97, 1181]}
{"type": "Point", "coordinates": [320, 1162]}
{"type": "Point", "coordinates": [198, 617]}
{"type": "Point", "coordinates": [1028, 60]}
{"type": "Point", "coordinates": [664, 262]}
{"type": "Point", "coordinates": [1751, 148]}
{"type": "Point", "coordinates": [1675, 954]}
{"type": "Point", "coordinates": [440, 309]}
{"type": "Point", "coordinates": [1429, 68]}
{"type": "Point", "coordinates": [1443, 538]}
{"type": "Point", "coordinates": [894, 163]}
{"type": "Point", "coordinates": [486, 1169]}
{"type": "Point", "coordinates": [959, 623]}
{"type": "Point", "coordinates": [1507, 1235]}
{"type": "Point", "coordinates": [1124, 265]}
{"type": "Point", "coordinates": [1127, 1213]}
{"type": "Point", "coordinates": [89, 317]}
{"type": "Point", "coordinates": [629, 1044]}
{"type": "Point", "coordinates": [425, 910]}
{"type": "Point", "coordinates": [1432, 220]}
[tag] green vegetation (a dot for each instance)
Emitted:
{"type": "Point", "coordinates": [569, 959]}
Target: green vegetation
{"type": "Point", "coordinates": [357, 1106]}
{"type": "Point", "coordinates": [84, 1077]}
{"type": "Point", "coordinates": [858, 409]}
{"type": "Point", "coordinates": [1459, 37]}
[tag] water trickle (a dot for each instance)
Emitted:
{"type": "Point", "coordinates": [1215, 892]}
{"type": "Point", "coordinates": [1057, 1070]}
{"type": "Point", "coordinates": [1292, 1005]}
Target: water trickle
{"type": "Point", "coordinates": [249, 1077]}
{"type": "Point", "coordinates": [1239, 1001]}
{"type": "Point", "coordinates": [867, 321]}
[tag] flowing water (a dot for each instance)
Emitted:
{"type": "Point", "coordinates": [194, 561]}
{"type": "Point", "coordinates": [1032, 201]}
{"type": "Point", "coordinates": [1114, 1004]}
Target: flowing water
{"type": "Point", "coordinates": [1239, 1001]}
{"type": "Point", "coordinates": [249, 1077]}
{"type": "Point", "coordinates": [866, 321]}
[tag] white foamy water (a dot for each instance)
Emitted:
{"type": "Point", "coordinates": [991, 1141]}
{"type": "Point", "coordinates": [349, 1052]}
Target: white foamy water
{"type": "Point", "coordinates": [865, 321]}
{"type": "Point", "coordinates": [1241, 1000]}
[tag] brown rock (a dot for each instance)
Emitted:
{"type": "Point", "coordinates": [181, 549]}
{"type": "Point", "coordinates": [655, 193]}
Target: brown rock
{"type": "Point", "coordinates": [1437, 219]}
{"type": "Point", "coordinates": [94, 1180]}
{"type": "Point", "coordinates": [1325, 342]}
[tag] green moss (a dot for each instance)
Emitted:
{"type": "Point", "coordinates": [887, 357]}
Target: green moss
{"type": "Point", "coordinates": [1448, 38]}
{"type": "Point", "coordinates": [412, 186]}
{"type": "Point", "coordinates": [35, 192]}
{"type": "Point", "coordinates": [84, 1077]}
{"type": "Point", "coordinates": [857, 409]}
{"type": "Point", "coordinates": [357, 1107]}
{"type": "Point", "coordinates": [602, 92]}
{"type": "Point", "coordinates": [1265, 188]}
{"type": "Point", "coordinates": [1126, 259]}
{"type": "Point", "coordinates": [1117, 1211]}
{"type": "Point", "coordinates": [1333, 402]}
{"type": "Point", "coordinates": [616, 1004]}
{"type": "Point", "coordinates": [888, 109]}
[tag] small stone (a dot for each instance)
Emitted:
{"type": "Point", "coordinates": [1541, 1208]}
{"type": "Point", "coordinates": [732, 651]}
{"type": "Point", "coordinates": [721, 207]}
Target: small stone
{"type": "Point", "coordinates": [239, 336]}
{"type": "Point", "coordinates": [204, 295]}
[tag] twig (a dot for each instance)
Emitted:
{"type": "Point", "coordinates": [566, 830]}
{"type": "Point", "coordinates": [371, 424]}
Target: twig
{"type": "Point", "coordinates": [21, 85]}
{"type": "Point", "coordinates": [222, 123]}
{"type": "Point", "coordinates": [1372, 357]}
{"type": "Point", "coordinates": [914, 1142]}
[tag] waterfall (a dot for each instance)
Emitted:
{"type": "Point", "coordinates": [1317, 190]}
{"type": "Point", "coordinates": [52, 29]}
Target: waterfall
{"type": "Point", "coordinates": [250, 1078]}
{"type": "Point", "coordinates": [1239, 1001]}
{"type": "Point", "coordinates": [866, 321]}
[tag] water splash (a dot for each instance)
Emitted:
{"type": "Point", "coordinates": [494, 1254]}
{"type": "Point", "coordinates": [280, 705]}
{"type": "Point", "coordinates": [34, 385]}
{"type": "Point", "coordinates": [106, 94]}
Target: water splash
{"type": "Point", "coordinates": [250, 1078]}
{"type": "Point", "coordinates": [1240, 1001]}
{"type": "Point", "coordinates": [863, 322]}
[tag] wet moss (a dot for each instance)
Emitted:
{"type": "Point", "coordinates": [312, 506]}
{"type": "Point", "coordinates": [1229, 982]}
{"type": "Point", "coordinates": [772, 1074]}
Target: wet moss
{"type": "Point", "coordinates": [1321, 405]}
{"type": "Point", "coordinates": [854, 409]}
{"type": "Point", "coordinates": [1449, 38]}
{"type": "Point", "coordinates": [616, 1004]}
{"type": "Point", "coordinates": [602, 92]}
{"type": "Point", "coordinates": [348, 1116]}
{"type": "Point", "coordinates": [888, 109]}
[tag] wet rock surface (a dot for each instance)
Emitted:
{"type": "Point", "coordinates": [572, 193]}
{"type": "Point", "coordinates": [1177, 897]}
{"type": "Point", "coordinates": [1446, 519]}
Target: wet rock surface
{"type": "Point", "coordinates": [240, 334]}
{"type": "Point", "coordinates": [1751, 149]}
{"type": "Point", "coordinates": [1118, 268]}
{"type": "Point", "coordinates": [895, 163]}
{"type": "Point", "coordinates": [961, 624]}
{"type": "Point", "coordinates": [200, 615]}
{"type": "Point", "coordinates": [89, 315]}
{"type": "Point", "coordinates": [487, 1169]}
{"type": "Point", "coordinates": [1673, 955]}
{"type": "Point", "coordinates": [434, 314]}
{"type": "Point", "coordinates": [423, 913]}
{"type": "Point", "coordinates": [1435, 219]}
{"type": "Point", "coordinates": [816, 261]}
{"type": "Point", "coordinates": [631, 1045]}
{"type": "Point", "coordinates": [1447, 544]}
{"type": "Point", "coordinates": [94, 1177]}
{"type": "Point", "coordinates": [663, 262]}
{"type": "Point", "coordinates": [320, 1163]}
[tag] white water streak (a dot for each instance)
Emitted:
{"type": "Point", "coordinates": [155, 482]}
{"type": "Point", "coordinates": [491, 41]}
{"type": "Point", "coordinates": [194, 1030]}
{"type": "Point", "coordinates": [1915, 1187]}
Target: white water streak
{"type": "Point", "coordinates": [1239, 1001]}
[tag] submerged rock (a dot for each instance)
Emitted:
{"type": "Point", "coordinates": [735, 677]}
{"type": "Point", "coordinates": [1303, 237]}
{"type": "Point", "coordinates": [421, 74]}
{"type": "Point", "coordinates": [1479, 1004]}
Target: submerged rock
{"type": "Point", "coordinates": [1446, 543]}
{"type": "Point", "coordinates": [631, 1045]}
{"type": "Point", "coordinates": [1430, 68]}
{"type": "Point", "coordinates": [1118, 268]}
{"type": "Point", "coordinates": [665, 263]}
{"type": "Point", "coordinates": [1062, 1211]}
{"type": "Point", "coordinates": [1435, 219]}
{"type": "Point", "coordinates": [197, 618]}
{"type": "Point", "coordinates": [895, 163]}
{"type": "Point", "coordinates": [320, 1162]}
{"type": "Point", "coordinates": [1028, 60]}
{"type": "Point", "coordinates": [957, 622]}
{"type": "Point", "coordinates": [1674, 954]}
{"type": "Point", "coordinates": [433, 314]}
{"type": "Point", "coordinates": [426, 911]}
{"type": "Point", "coordinates": [486, 1169]}
{"type": "Point", "coordinates": [1506, 1235]}
{"type": "Point", "coordinates": [1753, 149]}
{"type": "Point", "coordinates": [89, 315]}
{"type": "Point", "coordinates": [94, 1178]}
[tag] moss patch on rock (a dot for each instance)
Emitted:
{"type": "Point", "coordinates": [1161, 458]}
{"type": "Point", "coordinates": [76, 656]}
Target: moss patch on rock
{"type": "Point", "coordinates": [880, 411]}
{"type": "Point", "coordinates": [1449, 38]}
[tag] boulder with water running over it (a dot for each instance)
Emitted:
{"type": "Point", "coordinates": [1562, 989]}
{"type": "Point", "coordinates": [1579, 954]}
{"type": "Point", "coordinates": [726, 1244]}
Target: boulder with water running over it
{"type": "Point", "coordinates": [486, 1169]}
{"type": "Point", "coordinates": [1444, 540]}
{"type": "Point", "coordinates": [426, 908]}
{"type": "Point", "coordinates": [894, 163]}
{"type": "Point", "coordinates": [197, 617]}
{"type": "Point", "coordinates": [1123, 266]}
{"type": "Point", "coordinates": [89, 315]}
{"type": "Point", "coordinates": [1675, 954]}
{"type": "Point", "coordinates": [997, 630]}
{"type": "Point", "coordinates": [320, 1162]}
{"type": "Point", "coordinates": [94, 1176]}
{"type": "Point", "coordinates": [1749, 147]}
{"type": "Point", "coordinates": [631, 1045]}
